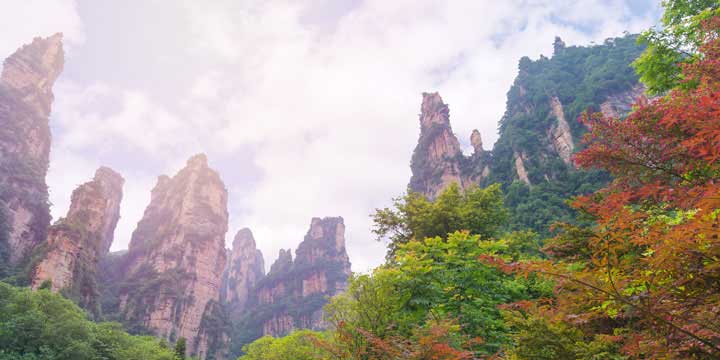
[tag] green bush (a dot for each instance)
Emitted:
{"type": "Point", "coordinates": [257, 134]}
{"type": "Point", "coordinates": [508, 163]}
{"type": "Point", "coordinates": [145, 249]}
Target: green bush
{"type": "Point", "coordinates": [43, 325]}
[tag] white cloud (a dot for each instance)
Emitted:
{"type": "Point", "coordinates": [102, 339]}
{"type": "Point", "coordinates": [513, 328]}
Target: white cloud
{"type": "Point", "coordinates": [330, 111]}
{"type": "Point", "coordinates": [23, 20]}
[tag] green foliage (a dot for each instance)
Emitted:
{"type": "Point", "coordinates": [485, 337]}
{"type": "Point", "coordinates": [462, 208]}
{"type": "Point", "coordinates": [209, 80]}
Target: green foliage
{"type": "Point", "coordinates": [298, 345]}
{"type": "Point", "coordinates": [537, 207]}
{"type": "Point", "coordinates": [44, 325]}
{"type": "Point", "coordinates": [674, 44]}
{"type": "Point", "coordinates": [180, 348]}
{"type": "Point", "coordinates": [371, 302]}
{"type": "Point", "coordinates": [437, 279]}
{"type": "Point", "coordinates": [536, 338]}
{"type": "Point", "coordinates": [477, 210]}
{"type": "Point", "coordinates": [581, 78]}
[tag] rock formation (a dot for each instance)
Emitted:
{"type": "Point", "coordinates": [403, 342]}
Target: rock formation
{"type": "Point", "coordinates": [476, 167]}
{"type": "Point", "coordinates": [25, 102]}
{"type": "Point", "coordinates": [538, 133]}
{"type": "Point", "coordinates": [436, 160]}
{"type": "Point", "coordinates": [620, 104]}
{"type": "Point", "coordinates": [519, 160]}
{"type": "Point", "coordinates": [246, 267]}
{"type": "Point", "coordinates": [177, 256]}
{"type": "Point", "coordinates": [293, 293]}
{"type": "Point", "coordinates": [76, 243]}
{"type": "Point", "coordinates": [560, 134]}
{"type": "Point", "coordinates": [476, 142]}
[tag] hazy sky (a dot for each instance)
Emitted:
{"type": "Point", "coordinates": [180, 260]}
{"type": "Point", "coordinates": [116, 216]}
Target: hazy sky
{"type": "Point", "coordinates": [306, 108]}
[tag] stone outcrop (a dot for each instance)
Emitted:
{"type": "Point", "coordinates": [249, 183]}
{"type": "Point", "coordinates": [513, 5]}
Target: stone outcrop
{"type": "Point", "coordinates": [559, 133]}
{"type": "Point", "coordinates": [76, 243]}
{"type": "Point", "coordinates": [476, 142]}
{"type": "Point", "coordinates": [477, 166]}
{"type": "Point", "coordinates": [25, 102]}
{"type": "Point", "coordinates": [436, 160]}
{"type": "Point", "coordinates": [620, 104]}
{"type": "Point", "coordinates": [519, 160]}
{"type": "Point", "coordinates": [294, 291]}
{"type": "Point", "coordinates": [283, 263]}
{"type": "Point", "coordinates": [538, 133]}
{"type": "Point", "coordinates": [246, 267]}
{"type": "Point", "coordinates": [177, 256]}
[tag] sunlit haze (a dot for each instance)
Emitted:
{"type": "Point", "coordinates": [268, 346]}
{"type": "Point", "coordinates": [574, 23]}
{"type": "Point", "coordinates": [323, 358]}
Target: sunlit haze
{"type": "Point", "coordinates": [305, 108]}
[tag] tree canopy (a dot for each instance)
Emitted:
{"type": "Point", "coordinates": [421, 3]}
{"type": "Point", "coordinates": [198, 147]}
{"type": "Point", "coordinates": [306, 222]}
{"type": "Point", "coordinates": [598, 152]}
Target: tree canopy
{"type": "Point", "coordinates": [37, 325]}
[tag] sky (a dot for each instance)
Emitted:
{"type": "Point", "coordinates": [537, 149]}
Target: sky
{"type": "Point", "coordinates": [306, 108]}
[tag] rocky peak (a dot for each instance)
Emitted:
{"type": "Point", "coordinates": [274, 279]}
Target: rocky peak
{"type": "Point", "coordinates": [436, 160]}
{"type": "Point", "coordinates": [75, 243]}
{"type": "Point", "coordinates": [33, 69]}
{"type": "Point", "coordinates": [433, 111]}
{"type": "Point", "coordinates": [476, 141]}
{"type": "Point", "coordinates": [283, 263]}
{"type": "Point", "coordinates": [198, 161]}
{"type": "Point", "coordinates": [25, 102]}
{"type": "Point", "coordinates": [320, 270]}
{"type": "Point", "coordinates": [162, 181]}
{"type": "Point", "coordinates": [324, 240]}
{"type": "Point", "coordinates": [243, 240]}
{"type": "Point", "coordinates": [177, 256]}
{"type": "Point", "coordinates": [110, 185]}
{"type": "Point", "coordinates": [246, 267]}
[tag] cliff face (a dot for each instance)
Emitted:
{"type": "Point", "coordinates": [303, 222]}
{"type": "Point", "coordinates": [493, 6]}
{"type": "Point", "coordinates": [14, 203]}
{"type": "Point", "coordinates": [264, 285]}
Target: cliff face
{"type": "Point", "coordinates": [25, 102]}
{"type": "Point", "coordinates": [559, 133]}
{"type": "Point", "coordinates": [320, 270]}
{"type": "Point", "coordinates": [76, 243]}
{"type": "Point", "coordinates": [539, 132]}
{"type": "Point", "coordinates": [436, 159]}
{"type": "Point", "coordinates": [620, 104]}
{"type": "Point", "coordinates": [246, 267]}
{"type": "Point", "coordinates": [293, 293]}
{"type": "Point", "coordinates": [177, 256]}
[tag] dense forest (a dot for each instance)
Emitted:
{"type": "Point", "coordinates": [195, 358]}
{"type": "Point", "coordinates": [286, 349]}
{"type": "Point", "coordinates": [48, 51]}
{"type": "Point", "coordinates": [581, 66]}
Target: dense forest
{"type": "Point", "coordinates": [615, 256]}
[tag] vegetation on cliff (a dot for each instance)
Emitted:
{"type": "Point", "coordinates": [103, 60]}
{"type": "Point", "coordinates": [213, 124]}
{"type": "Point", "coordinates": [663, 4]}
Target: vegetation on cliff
{"type": "Point", "coordinates": [580, 78]}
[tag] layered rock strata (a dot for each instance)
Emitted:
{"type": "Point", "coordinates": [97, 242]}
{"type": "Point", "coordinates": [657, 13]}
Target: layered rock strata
{"type": "Point", "coordinates": [294, 291]}
{"type": "Point", "coordinates": [26, 98]}
{"type": "Point", "coordinates": [246, 267]}
{"type": "Point", "coordinates": [177, 256]}
{"type": "Point", "coordinates": [76, 242]}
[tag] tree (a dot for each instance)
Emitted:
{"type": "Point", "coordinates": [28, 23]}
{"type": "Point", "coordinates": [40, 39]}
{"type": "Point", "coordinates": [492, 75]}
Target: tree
{"type": "Point", "coordinates": [298, 345]}
{"type": "Point", "coordinates": [431, 282]}
{"type": "Point", "coordinates": [43, 325]}
{"type": "Point", "coordinates": [675, 44]}
{"type": "Point", "coordinates": [438, 340]}
{"type": "Point", "coordinates": [477, 210]}
{"type": "Point", "coordinates": [648, 279]}
{"type": "Point", "coordinates": [181, 348]}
